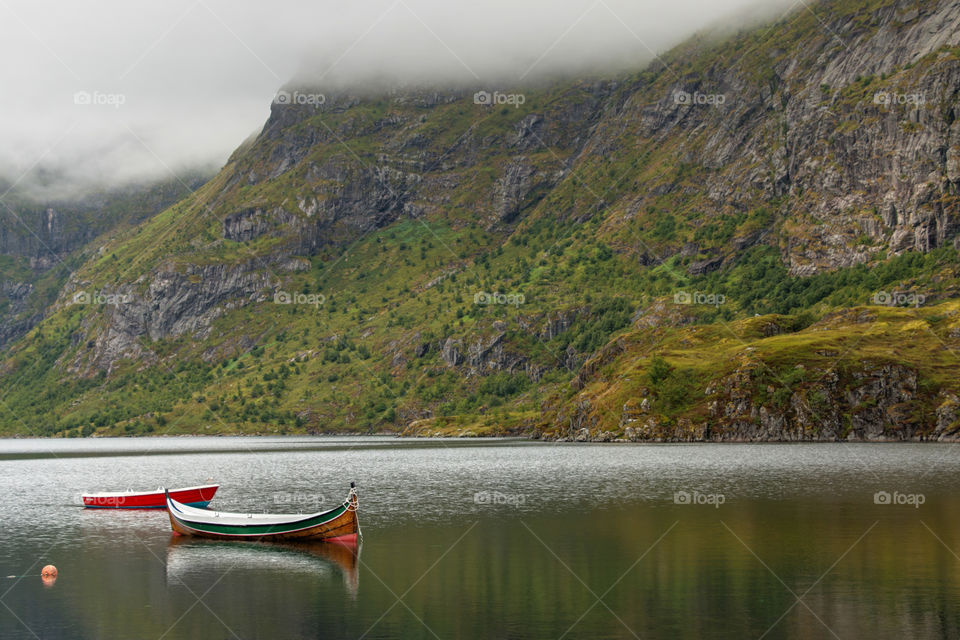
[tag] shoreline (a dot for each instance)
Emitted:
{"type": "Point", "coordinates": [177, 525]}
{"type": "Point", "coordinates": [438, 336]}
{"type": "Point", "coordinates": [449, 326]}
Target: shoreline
{"type": "Point", "coordinates": [473, 437]}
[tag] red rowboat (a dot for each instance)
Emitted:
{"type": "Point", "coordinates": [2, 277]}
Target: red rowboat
{"type": "Point", "coordinates": [198, 497]}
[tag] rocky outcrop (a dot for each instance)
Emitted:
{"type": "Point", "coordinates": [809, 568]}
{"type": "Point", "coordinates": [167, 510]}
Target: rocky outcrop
{"type": "Point", "coordinates": [450, 352]}
{"type": "Point", "coordinates": [18, 318]}
{"type": "Point", "coordinates": [558, 322]}
{"type": "Point", "coordinates": [250, 224]}
{"type": "Point", "coordinates": [701, 267]}
{"type": "Point", "coordinates": [485, 355]}
{"type": "Point", "coordinates": [948, 414]}
{"type": "Point", "coordinates": [521, 186]}
{"type": "Point", "coordinates": [873, 404]}
{"type": "Point", "coordinates": [170, 303]}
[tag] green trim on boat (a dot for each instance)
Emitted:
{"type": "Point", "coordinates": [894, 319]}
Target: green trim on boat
{"type": "Point", "coordinates": [263, 529]}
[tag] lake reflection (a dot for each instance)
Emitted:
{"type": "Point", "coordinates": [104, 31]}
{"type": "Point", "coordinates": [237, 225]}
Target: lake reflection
{"type": "Point", "coordinates": [492, 539]}
{"type": "Point", "coordinates": [197, 563]}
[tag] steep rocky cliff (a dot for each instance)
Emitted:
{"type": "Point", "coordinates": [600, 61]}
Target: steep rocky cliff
{"type": "Point", "coordinates": [734, 243]}
{"type": "Point", "coordinates": [852, 130]}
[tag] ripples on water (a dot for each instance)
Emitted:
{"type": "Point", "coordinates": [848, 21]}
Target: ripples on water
{"type": "Point", "coordinates": [490, 539]}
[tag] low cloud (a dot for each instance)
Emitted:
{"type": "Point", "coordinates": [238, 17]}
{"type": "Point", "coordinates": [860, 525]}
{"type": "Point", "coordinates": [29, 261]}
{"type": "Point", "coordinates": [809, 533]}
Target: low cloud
{"type": "Point", "coordinates": [108, 92]}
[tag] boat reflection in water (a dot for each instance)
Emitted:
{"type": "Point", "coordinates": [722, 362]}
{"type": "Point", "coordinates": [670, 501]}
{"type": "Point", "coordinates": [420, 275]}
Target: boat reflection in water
{"type": "Point", "coordinates": [191, 557]}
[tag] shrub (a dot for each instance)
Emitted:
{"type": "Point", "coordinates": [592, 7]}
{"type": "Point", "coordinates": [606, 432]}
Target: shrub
{"type": "Point", "coordinates": [504, 384]}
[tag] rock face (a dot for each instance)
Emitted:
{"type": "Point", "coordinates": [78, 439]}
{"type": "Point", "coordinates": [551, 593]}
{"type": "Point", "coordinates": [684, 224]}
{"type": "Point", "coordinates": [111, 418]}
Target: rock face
{"type": "Point", "coordinates": [450, 352]}
{"type": "Point", "coordinates": [175, 303]}
{"type": "Point", "coordinates": [872, 407]}
{"type": "Point", "coordinates": [519, 187]}
{"type": "Point", "coordinates": [486, 355]}
{"type": "Point", "coordinates": [874, 404]}
{"type": "Point", "coordinates": [863, 147]}
{"type": "Point", "coordinates": [412, 174]}
{"type": "Point", "coordinates": [249, 224]}
{"type": "Point", "coordinates": [947, 415]}
{"type": "Point", "coordinates": [18, 318]}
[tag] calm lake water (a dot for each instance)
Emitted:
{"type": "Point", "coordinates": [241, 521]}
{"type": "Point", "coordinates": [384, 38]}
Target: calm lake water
{"type": "Point", "coordinates": [491, 539]}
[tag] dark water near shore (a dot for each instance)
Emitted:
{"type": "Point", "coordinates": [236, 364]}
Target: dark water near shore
{"type": "Point", "coordinates": [492, 539]}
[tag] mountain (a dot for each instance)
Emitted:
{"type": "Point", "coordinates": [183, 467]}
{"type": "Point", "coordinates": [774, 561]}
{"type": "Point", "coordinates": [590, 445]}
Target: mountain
{"type": "Point", "coordinates": [753, 238]}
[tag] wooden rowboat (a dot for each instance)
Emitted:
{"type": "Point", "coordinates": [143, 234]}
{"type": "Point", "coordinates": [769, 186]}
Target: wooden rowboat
{"type": "Point", "coordinates": [192, 496]}
{"type": "Point", "coordinates": [338, 525]}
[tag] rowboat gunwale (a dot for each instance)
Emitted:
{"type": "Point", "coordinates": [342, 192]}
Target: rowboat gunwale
{"type": "Point", "coordinates": [158, 491]}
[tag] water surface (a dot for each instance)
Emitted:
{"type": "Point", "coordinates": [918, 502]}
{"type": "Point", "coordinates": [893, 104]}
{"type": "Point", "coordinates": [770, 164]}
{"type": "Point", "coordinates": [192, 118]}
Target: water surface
{"type": "Point", "coordinates": [491, 539]}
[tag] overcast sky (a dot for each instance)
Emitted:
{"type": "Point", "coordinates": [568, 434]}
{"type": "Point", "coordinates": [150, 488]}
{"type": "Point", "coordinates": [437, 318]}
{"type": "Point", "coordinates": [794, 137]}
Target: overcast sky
{"type": "Point", "coordinates": [181, 82]}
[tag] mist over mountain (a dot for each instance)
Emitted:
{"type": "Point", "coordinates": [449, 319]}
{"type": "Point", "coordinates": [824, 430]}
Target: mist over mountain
{"type": "Point", "coordinates": [752, 237]}
{"type": "Point", "coordinates": [111, 94]}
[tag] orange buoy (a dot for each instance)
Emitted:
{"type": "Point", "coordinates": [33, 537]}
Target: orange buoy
{"type": "Point", "coordinates": [49, 571]}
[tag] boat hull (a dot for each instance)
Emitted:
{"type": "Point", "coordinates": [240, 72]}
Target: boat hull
{"type": "Point", "coordinates": [198, 497]}
{"type": "Point", "coordinates": [339, 525]}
